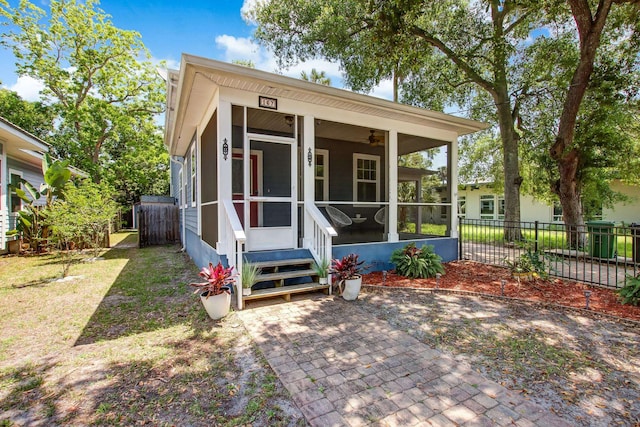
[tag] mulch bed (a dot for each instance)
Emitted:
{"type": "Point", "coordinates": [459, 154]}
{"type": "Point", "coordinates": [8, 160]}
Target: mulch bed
{"type": "Point", "coordinates": [472, 276]}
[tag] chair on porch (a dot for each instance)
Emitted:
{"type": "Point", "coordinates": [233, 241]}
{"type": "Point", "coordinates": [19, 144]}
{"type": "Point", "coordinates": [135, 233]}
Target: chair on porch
{"type": "Point", "coordinates": [338, 218]}
{"type": "Point", "coordinates": [380, 216]}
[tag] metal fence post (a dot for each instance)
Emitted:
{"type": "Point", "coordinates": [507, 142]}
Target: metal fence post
{"type": "Point", "coordinates": [535, 241]}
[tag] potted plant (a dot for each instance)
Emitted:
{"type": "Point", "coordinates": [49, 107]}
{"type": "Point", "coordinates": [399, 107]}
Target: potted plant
{"type": "Point", "coordinates": [521, 268]}
{"type": "Point", "coordinates": [215, 293]}
{"type": "Point", "coordinates": [348, 273]}
{"type": "Point", "coordinates": [248, 276]}
{"type": "Point", "coordinates": [322, 270]}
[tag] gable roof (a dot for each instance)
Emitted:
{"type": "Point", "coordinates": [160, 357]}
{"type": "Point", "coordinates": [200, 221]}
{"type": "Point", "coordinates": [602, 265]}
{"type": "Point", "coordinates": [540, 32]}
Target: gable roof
{"type": "Point", "coordinates": [191, 89]}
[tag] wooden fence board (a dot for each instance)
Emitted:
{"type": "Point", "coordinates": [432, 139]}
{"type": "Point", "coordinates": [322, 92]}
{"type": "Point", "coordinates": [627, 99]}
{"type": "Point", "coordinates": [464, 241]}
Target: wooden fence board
{"type": "Point", "coordinates": [158, 225]}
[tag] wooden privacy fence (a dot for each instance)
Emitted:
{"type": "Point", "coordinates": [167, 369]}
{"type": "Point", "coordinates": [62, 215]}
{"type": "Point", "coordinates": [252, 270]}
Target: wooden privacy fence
{"type": "Point", "coordinates": [157, 225]}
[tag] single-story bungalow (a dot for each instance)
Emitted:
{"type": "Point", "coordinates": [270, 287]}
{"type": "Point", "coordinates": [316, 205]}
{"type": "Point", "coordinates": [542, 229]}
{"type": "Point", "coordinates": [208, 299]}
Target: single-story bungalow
{"type": "Point", "coordinates": [20, 157]}
{"type": "Point", "coordinates": [479, 201]}
{"type": "Point", "coordinates": [267, 167]}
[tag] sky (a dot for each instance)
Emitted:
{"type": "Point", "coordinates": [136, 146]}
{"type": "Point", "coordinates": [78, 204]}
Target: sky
{"type": "Point", "coordinates": [212, 29]}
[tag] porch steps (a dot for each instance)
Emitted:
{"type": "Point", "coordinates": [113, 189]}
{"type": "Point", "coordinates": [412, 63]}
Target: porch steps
{"type": "Point", "coordinates": [283, 277]}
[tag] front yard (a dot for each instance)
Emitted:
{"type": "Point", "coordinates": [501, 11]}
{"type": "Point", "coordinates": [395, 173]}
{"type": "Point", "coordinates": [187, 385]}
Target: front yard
{"type": "Point", "coordinates": [124, 341]}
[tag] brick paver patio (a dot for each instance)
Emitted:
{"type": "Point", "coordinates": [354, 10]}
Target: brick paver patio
{"type": "Point", "coordinates": [343, 367]}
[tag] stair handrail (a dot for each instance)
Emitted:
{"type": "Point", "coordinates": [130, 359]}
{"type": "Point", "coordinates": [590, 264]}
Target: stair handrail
{"type": "Point", "coordinates": [234, 244]}
{"type": "Point", "coordinates": [319, 242]}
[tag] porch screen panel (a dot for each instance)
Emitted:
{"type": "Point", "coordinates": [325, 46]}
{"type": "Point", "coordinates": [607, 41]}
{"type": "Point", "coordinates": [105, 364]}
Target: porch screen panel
{"type": "Point", "coordinates": [209, 172]}
{"type": "Point", "coordinates": [276, 182]}
{"type": "Point", "coordinates": [209, 182]}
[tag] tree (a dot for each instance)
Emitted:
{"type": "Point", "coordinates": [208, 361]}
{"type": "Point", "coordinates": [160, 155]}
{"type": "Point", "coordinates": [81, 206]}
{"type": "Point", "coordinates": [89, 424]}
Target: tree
{"type": "Point", "coordinates": [82, 218]}
{"type": "Point", "coordinates": [244, 62]}
{"type": "Point", "coordinates": [34, 117]}
{"type": "Point", "coordinates": [316, 77]}
{"type": "Point", "coordinates": [590, 20]}
{"type": "Point", "coordinates": [99, 77]}
{"type": "Point", "coordinates": [442, 52]}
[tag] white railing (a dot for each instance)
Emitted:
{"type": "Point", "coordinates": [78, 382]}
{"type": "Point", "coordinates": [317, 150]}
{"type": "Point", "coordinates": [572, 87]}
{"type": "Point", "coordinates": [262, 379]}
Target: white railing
{"type": "Point", "coordinates": [233, 245]}
{"type": "Point", "coordinates": [319, 242]}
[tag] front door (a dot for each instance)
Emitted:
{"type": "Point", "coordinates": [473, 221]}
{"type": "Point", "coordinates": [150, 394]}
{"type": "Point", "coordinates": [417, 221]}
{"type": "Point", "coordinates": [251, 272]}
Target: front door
{"type": "Point", "coordinates": [273, 221]}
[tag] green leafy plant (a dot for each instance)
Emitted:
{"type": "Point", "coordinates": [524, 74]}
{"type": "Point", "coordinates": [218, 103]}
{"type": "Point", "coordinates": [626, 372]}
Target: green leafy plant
{"type": "Point", "coordinates": [529, 261]}
{"type": "Point", "coordinates": [349, 267]}
{"type": "Point", "coordinates": [322, 268]}
{"type": "Point", "coordinates": [414, 262]}
{"type": "Point", "coordinates": [218, 280]}
{"type": "Point", "coordinates": [249, 274]}
{"type": "Point", "coordinates": [630, 293]}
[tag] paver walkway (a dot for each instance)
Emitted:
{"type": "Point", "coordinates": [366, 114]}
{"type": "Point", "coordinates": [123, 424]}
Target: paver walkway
{"type": "Point", "coordinates": [343, 367]}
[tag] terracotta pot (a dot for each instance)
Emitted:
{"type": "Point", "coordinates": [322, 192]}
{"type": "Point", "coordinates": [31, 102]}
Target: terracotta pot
{"type": "Point", "coordinates": [522, 276]}
{"type": "Point", "coordinates": [352, 288]}
{"type": "Point", "coordinates": [217, 306]}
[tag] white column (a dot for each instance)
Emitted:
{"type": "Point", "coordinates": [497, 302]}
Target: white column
{"type": "Point", "coordinates": [452, 178]}
{"type": "Point", "coordinates": [224, 166]}
{"type": "Point", "coordinates": [392, 211]}
{"type": "Point", "coordinates": [308, 175]}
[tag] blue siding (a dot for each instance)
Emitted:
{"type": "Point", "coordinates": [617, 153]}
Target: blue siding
{"type": "Point", "coordinates": [376, 255]}
{"type": "Point", "coordinates": [200, 252]}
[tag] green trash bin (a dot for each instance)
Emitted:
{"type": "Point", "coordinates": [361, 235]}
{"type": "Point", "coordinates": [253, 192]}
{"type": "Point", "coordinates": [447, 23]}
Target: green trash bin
{"type": "Point", "coordinates": [601, 239]}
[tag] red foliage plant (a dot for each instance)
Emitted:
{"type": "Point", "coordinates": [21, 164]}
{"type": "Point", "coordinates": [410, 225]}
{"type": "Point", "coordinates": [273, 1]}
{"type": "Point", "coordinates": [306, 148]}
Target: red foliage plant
{"type": "Point", "coordinates": [218, 280]}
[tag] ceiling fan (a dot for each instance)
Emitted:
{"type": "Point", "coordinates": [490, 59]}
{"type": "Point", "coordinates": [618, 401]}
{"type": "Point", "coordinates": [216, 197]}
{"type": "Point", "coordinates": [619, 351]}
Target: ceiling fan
{"type": "Point", "coordinates": [375, 140]}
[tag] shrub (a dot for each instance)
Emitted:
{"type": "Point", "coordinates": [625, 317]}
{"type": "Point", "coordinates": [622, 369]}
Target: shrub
{"type": "Point", "coordinates": [417, 263]}
{"type": "Point", "coordinates": [630, 293]}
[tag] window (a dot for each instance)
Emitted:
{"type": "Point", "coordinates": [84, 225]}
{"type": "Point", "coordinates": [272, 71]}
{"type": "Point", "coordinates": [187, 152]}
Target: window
{"type": "Point", "coordinates": [366, 178]}
{"type": "Point", "coordinates": [500, 207]}
{"type": "Point", "coordinates": [193, 174]}
{"type": "Point", "coordinates": [557, 212]}
{"type": "Point", "coordinates": [180, 195]}
{"type": "Point", "coordinates": [462, 206]}
{"type": "Point", "coordinates": [15, 202]}
{"type": "Point", "coordinates": [322, 175]}
{"type": "Point", "coordinates": [487, 207]}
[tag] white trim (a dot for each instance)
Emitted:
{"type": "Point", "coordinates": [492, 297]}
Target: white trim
{"type": "Point", "coordinates": [21, 175]}
{"type": "Point", "coordinates": [362, 156]}
{"type": "Point", "coordinates": [325, 177]}
{"type": "Point", "coordinates": [193, 163]}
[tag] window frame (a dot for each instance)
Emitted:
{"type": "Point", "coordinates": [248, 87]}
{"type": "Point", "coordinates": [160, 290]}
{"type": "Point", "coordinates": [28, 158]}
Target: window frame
{"type": "Point", "coordinates": [193, 176]}
{"type": "Point", "coordinates": [462, 203]}
{"type": "Point", "coordinates": [500, 207]}
{"type": "Point", "coordinates": [356, 181]}
{"type": "Point", "coordinates": [319, 152]}
{"type": "Point", "coordinates": [10, 208]}
{"type": "Point", "coordinates": [492, 199]}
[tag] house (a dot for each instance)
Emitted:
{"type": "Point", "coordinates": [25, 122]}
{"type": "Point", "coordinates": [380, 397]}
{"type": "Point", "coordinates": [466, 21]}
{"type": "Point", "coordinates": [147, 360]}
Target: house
{"type": "Point", "coordinates": [20, 157]}
{"type": "Point", "coordinates": [270, 167]}
{"type": "Point", "coordinates": [479, 201]}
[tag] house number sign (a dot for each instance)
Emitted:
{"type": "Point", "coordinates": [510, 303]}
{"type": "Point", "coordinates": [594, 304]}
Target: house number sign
{"type": "Point", "coordinates": [270, 103]}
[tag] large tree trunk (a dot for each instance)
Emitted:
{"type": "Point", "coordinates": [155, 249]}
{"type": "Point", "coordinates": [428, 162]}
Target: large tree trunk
{"type": "Point", "coordinates": [563, 151]}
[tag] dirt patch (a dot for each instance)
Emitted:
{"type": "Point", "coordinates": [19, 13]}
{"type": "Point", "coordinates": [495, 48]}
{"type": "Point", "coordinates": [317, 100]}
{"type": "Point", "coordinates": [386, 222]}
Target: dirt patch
{"type": "Point", "coordinates": [486, 279]}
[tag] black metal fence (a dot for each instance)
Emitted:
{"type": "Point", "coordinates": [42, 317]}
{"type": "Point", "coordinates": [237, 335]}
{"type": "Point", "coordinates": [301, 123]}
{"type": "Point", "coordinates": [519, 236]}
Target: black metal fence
{"type": "Point", "coordinates": [599, 253]}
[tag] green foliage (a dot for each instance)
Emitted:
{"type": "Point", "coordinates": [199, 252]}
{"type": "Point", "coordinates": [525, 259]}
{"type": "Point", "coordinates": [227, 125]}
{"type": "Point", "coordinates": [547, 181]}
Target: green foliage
{"type": "Point", "coordinates": [417, 263]}
{"type": "Point", "coordinates": [100, 79]}
{"type": "Point", "coordinates": [630, 293]}
{"type": "Point", "coordinates": [346, 268]}
{"type": "Point", "coordinates": [316, 77]}
{"type": "Point", "coordinates": [82, 218]}
{"type": "Point", "coordinates": [249, 274]}
{"type": "Point", "coordinates": [322, 268]}
{"type": "Point", "coordinates": [529, 261]}
{"type": "Point", "coordinates": [34, 117]}
{"type": "Point", "coordinates": [32, 224]}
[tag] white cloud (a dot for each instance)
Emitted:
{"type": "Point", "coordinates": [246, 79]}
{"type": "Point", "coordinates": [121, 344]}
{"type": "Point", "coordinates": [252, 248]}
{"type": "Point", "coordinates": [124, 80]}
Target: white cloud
{"type": "Point", "coordinates": [383, 90]}
{"type": "Point", "coordinates": [246, 7]}
{"type": "Point", "coordinates": [28, 88]}
{"type": "Point", "coordinates": [239, 48]}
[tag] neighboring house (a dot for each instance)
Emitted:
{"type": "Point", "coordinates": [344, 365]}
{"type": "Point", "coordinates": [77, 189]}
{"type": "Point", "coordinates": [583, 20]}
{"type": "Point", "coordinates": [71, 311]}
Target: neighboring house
{"type": "Point", "coordinates": [20, 157]}
{"type": "Point", "coordinates": [263, 162]}
{"type": "Point", "coordinates": [479, 201]}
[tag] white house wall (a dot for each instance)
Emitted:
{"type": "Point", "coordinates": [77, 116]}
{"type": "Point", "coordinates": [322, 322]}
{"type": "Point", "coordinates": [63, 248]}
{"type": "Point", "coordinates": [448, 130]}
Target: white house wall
{"type": "Point", "coordinates": [627, 212]}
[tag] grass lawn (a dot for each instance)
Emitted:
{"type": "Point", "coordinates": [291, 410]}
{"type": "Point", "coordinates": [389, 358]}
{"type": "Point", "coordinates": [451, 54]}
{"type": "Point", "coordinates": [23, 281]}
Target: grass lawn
{"type": "Point", "coordinates": [124, 341]}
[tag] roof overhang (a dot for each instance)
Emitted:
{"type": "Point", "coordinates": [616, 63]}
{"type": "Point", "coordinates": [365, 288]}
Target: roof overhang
{"type": "Point", "coordinates": [21, 145]}
{"type": "Point", "coordinates": [191, 90]}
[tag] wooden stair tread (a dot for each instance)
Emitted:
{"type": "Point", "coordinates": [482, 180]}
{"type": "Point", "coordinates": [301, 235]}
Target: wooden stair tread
{"type": "Point", "coordinates": [283, 262]}
{"type": "Point", "coordinates": [285, 290]}
{"type": "Point", "coordinates": [279, 275]}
